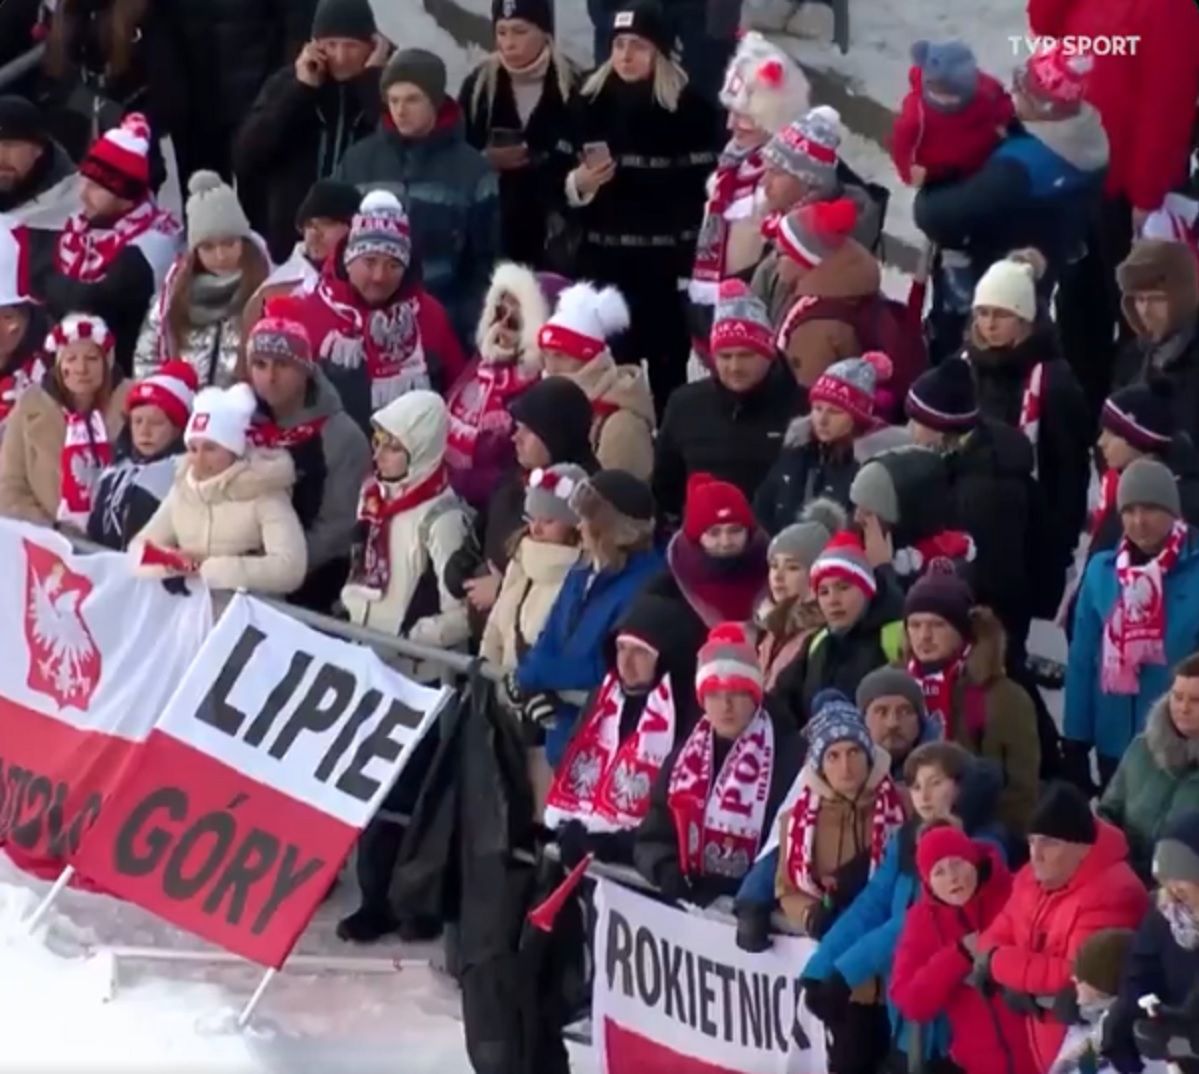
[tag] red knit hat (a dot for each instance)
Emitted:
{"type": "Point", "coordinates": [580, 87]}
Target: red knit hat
{"type": "Point", "coordinates": [844, 557]}
{"type": "Point", "coordinates": [741, 321]}
{"type": "Point", "coordinates": [727, 661]}
{"type": "Point", "coordinates": [1055, 80]}
{"type": "Point", "coordinates": [171, 387]}
{"type": "Point", "coordinates": [119, 160]}
{"type": "Point", "coordinates": [76, 326]}
{"type": "Point", "coordinates": [851, 384]}
{"type": "Point", "coordinates": [944, 841]}
{"type": "Point", "coordinates": [710, 502]}
{"type": "Point", "coordinates": [281, 332]}
{"type": "Point", "coordinates": [812, 232]}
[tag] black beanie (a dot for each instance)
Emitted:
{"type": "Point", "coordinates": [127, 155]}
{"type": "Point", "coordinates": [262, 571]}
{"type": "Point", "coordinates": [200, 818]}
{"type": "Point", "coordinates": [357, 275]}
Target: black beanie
{"type": "Point", "coordinates": [628, 494]}
{"type": "Point", "coordinates": [421, 68]}
{"type": "Point", "coordinates": [21, 121]}
{"type": "Point", "coordinates": [558, 411]}
{"type": "Point", "coordinates": [944, 595]}
{"type": "Point", "coordinates": [943, 398]}
{"type": "Point", "coordinates": [645, 19]}
{"type": "Point", "coordinates": [1063, 813]}
{"type": "Point", "coordinates": [331, 200]}
{"type": "Point", "coordinates": [344, 18]}
{"type": "Point", "coordinates": [539, 12]}
{"type": "Point", "coordinates": [1143, 414]}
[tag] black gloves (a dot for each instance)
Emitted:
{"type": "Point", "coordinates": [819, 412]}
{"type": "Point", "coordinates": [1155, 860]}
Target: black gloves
{"type": "Point", "coordinates": [1020, 1002]}
{"type": "Point", "coordinates": [574, 843]}
{"type": "Point", "coordinates": [818, 919]}
{"type": "Point", "coordinates": [753, 927]}
{"type": "Point", "coordinates": [828, 999]}
{"type": "Point", "coordinates": [539, 710]}
{"type": "Point", "coordinates": [176, 585]}
{"type": "Point", "coordinates": [1065, 1006]}
{"type": "Point", "coordinates": [1166, 1037]}
{"type": "Point", "coordinates": [674, 885]}
{"type": "Point", "coordinates": [1076, 766]}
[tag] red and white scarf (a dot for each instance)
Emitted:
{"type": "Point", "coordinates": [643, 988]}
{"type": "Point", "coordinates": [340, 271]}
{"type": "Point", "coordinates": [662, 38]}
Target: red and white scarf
{"type": "Point", "coordinates": [16, 382]}
{"type": "Point", "coordinates": [730, 198]}
{"type": "Point", "coordinates": [266, 434]}
{"type": "Point", "coordinates": [1135, 632]}
{"type": "Point", "coordinates": [606, 783]}
{"type": "Point", "coordinates": [85, 252]}
{"type": "Point", "coordinates": [938, 688]}
{"type": "Point", "coordinates": [479, 403]}
{"type": "Point", "coordinates": [886, 816]}
{"type": "Point", "coordinates": [376, 510]}
{"type": "Point", "coordinates": [85, 452]}
{"type": "Point", "coordinates": [719, 817]}
{"type": "Point", "coordinates": [1109, 485]}
{"type": "Point", "coordinates": [1030, 409]}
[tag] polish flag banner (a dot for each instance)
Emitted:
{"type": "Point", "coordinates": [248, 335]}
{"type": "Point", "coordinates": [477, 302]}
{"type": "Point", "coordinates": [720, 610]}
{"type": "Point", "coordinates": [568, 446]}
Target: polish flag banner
{"type": "Point", "coordinates": [273, 754]}
{"type": "Point", "coordinates": [674, 994]}
{"type": "Point", "coordinates": [91, 657]}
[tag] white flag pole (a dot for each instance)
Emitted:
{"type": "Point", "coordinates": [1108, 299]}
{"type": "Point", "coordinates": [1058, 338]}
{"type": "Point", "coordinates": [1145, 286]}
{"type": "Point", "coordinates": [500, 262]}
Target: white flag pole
{"type": "Point", "coordinates": [43, 908]}
{"type": "Point", "coordinates": [244, 1018]}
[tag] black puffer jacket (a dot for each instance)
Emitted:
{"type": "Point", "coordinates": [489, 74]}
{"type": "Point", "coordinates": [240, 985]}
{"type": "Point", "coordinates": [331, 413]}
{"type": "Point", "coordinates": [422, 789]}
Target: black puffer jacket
{"type": "Point", "coordinates": [735, 437]}
{"type": "Point", "coordinates": [1138, 360]}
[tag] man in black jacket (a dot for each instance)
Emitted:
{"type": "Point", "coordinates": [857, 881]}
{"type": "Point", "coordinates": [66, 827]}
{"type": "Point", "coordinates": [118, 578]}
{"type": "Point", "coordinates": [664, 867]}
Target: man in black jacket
{"type": "Point", "coordinates": [732, 425]}
{"type": "Point", "coordinates": [309, 114]}
{"type": "Point", "coordinates": [35, 172]}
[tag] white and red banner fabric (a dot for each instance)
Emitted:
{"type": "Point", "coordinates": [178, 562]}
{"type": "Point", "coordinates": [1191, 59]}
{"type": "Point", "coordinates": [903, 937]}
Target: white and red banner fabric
{"type": "Point", "coordinates": [674, 994]}
{"type": "Point", "coordinates": [91, 657]}
{"type": "Point", "coordinates": [274, 752]}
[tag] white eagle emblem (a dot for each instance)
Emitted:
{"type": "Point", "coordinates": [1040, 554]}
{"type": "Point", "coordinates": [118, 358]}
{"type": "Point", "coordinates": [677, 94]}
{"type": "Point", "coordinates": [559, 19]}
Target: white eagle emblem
{"type": "Point", "coordinates": [585, 774]}
{"type": "Point", "coordinates": [629, 787]}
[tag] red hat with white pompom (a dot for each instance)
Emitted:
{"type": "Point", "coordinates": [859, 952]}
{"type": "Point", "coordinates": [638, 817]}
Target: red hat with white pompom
{"type": "Point", "coordinates": [851, 384]}
{"type": "Point", "coordinates": [1054, 81]}
{"type": "Point", "coordinates": [77, 327]}
{"type": "Point", "coordinates": [764, 84]}
{"type": "Point", "coordinates": [119, 160]}
{"type": "Point", "coordinates": [816, 231]}
{"type": "Point", "coordinates": [741, 321]}
{"type": "Point", "coordinates": [727, 661]}
{"type": "Point", "coordinates": [171, 387]}
{"type": "Point", "coordinates": [583, 322]}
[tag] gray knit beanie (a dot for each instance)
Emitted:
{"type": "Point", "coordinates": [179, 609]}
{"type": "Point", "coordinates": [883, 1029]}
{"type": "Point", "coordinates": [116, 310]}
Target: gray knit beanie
{"type": "Point", "coordinates": [1148, 483]}
{"type": "Point", "coordinates": [804, 540]}
{"type": "Point", "coordinates": [420, 67]}
{"type": "Point", "coordinates": [890, 682]}
{"type": "Point", "coordinates": [213, 211]}
{"type": "Point", "coordinates": [873, 490]}
{"type": "Point", "coordinates": [550, 490]}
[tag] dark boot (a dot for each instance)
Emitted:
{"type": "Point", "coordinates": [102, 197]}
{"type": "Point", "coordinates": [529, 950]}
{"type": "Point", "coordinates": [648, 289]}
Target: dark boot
{"type": "Point", "coordinates": [366, 925]}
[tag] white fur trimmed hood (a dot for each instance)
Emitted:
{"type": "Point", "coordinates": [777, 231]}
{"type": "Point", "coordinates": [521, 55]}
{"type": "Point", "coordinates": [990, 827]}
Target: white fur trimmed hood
{"type": "Point", "coordinates": [522, 284]}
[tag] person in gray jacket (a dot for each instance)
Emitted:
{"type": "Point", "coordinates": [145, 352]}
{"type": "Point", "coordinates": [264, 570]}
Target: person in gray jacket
{"type": "Point", "coordinates": [300, 411]}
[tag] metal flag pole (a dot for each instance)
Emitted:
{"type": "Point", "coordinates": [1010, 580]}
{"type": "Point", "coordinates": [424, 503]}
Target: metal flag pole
{"type": "Point", "coordinates": [43, 908]}
{"type": "Point", "coordinates": [244, 1018]}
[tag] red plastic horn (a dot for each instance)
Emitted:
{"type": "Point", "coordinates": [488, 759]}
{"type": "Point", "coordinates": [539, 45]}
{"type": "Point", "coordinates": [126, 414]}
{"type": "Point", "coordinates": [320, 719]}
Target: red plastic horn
{"type": "Point", "coordinates": [543, 917]}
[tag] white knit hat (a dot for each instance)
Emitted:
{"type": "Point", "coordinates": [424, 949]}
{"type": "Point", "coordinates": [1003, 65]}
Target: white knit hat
{"type": "Point", "coordinates": [1009, 285]}
{"type": "Point", "coordinates": [765, 84]}
{"type": "Point", "coordinates": [222, 416]}
{"type": "Point", "coordinates": [213, 211]}
{"type": "Point", "coordinates": [584, 321]}
{"type": "Point", "coordinates": [14, 267]}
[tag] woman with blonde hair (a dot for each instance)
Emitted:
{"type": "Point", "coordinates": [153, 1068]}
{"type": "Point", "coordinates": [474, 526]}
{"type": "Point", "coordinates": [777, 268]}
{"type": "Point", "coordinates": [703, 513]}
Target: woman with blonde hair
{"type": "Point", "coordinates": [646, 143]}
{"type": "Point", "coordinates": [197, 313]}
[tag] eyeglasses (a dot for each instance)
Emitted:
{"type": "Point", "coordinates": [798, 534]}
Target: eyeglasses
{"type": "Point", "coordinates": [383, 441]}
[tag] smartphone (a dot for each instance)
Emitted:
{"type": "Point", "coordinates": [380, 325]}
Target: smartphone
{"type": "Point", "coordinates": [505, 137]}
{"type": "Point", "coordinates": [596, 154]}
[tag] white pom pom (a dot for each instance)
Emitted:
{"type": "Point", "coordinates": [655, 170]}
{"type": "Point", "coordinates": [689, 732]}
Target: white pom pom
{"type": "Point", "coordinates": [378, 200]}
{"type": "Point", "coordinates": [612, 311]}
{"type": "Point", "coordinates": [203, 181]}
{"type": "Point", "coordinates": [827, 113]}
{"type": "Point", "coordinates": [241, 400]}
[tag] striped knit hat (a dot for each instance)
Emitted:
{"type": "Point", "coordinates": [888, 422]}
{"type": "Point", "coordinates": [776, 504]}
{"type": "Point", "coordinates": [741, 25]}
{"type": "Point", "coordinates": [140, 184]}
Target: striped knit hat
{"type": "Point", "coordinates": [281, 333]}
{"type": "Point", "coordinates": [380, 227]}
{"type": "Point", "coordinates": [727, 661]}
{"type": "Point", "coordinates": [79, 326]}
{"type": "Point", "coordinates": [119, 160]}
{"type": "Point", "coordinates": [807, 149]}
{"type": "Point", "coordinates": [943, 398]}
{"type": "Point", "coordinates": [844, 557]}
{"type": "Point", "coordinates": [835, 719]}
{"type": "Point", "coordinates": [171, 387]}
{"type": "Point", "coordinates": [741, 321]}
{"type": "Point", "coordinates": [813, 232]}
{"type": "Point", "coordinates": [850, 385]}
{"type": "Point", "coordinates": [1143, 414]}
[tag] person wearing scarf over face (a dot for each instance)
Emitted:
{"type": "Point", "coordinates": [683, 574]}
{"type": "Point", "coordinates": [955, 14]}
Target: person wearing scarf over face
{"type": "Point", "coordinates": [1137, 615]}
{"type": "Point", "coordinates": [763, 90]}
{"type": "Point", "coordinates": [114, 253]}
{"type": "Point", "coordinates": [955, 653]}
{"type": "Point", "coordinates": [716, 798]}
{"type": "Point", "coordinates": [965, 885]}
{"type": "Point", "coordinates": [22, 323]}
{"type": "Point", "coordinates": [198, 312]}
{"type": "Point", "coordinates": [409, 523]}
{"type": "Point", "coordinates": [137, 480]}
{"type": "Point", "coordinates": [833, 829]}
{"type": "Point", "coordinates": [62, 432]}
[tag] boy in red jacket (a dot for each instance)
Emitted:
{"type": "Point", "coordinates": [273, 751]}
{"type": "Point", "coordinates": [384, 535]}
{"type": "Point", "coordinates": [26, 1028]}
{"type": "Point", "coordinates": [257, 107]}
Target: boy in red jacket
{"type": "Point", "coordinates": [951, 119]}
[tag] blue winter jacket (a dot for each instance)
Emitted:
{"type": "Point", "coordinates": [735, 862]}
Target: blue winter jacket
{"type": "Point", "coordinates": [1110, 722]}
{"type": "Point", "coordinates": [568, 655]}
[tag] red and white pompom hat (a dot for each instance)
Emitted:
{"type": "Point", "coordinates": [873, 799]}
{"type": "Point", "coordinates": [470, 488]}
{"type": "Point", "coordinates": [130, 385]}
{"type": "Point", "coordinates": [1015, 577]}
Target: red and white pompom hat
{"type": "Point", "coordinates": [171, 387]}
{"type": "Point", "coordinates": [728, 661]}
{"type": "Point", "coordinates": [583, 322]}
{"type": "Point", "coordinates": [119, 160]}
{"type": "Point", "coordinates": [844, 557]}
{"type": "Point", "coordinates": [741, 321]}
{"type": "Point", "coordinates": [764, 84]}
{"type": "Point", "coordinates": [811, 233]}
{"type": "Point", "coordinates": [76, 327]}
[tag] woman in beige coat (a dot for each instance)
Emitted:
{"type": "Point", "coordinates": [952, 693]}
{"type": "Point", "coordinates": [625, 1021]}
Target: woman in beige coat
{"type": "Point", "coordinates": [228, 517]}
{"type": "Point", "coordinates": [62, 432]}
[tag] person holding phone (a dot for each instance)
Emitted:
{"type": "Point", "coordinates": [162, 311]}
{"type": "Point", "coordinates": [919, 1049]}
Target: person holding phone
{"type": "Point", "coordinates": [516, 105]}
{"type": "Point", "coordinates": [645, 144]}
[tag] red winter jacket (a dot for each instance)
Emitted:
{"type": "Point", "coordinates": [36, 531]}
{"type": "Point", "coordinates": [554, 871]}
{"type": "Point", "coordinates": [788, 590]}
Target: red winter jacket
{"type": "Point", "coordinates": [928, 978]}
{"type": "Point", "coordinates": [949, 144]}
{"type": "Point", "coordinates": [1037, 935]}
{"type": "Point", "coordinates": [1146, 101]}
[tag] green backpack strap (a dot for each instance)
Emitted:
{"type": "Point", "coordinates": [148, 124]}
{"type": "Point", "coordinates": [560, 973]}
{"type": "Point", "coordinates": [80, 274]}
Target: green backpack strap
{"type": "Point", "coordinates": [817, 640]}
{"type": "Point", "coordinates": [891, 640]}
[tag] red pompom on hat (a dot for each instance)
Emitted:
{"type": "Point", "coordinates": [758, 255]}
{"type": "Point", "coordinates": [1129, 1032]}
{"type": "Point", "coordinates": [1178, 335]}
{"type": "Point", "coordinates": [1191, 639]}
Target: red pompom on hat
{"type": "Point", "coordinates": [943, 842]}
{"type": "Point", "coordinates": [119, 160]}
{"type": "Point", "coordinates": [710, 502]}
{"type": "Point", "coordinates": [813, 232]}
{"type": "Point", "coordinates": [171, 387]}
{"type": "Point", "coordinates": [741, 320]}
{"type": "Point", "coordinates": [851, 385]}
{"type": "Point", "coordinates": [728, 661]}
{"type": "Point", "coordinates": [844, 557]}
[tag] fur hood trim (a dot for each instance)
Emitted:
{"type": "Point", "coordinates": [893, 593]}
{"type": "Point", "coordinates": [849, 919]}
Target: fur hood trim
{"type": "Point", "coordinates": [1169, 750]}
{"type": "Point", "coordinates": [870, 443]}
{"type": "Point", "coordinates": [522, 284]}
{"type": "Point", "coordinates": [988, 652]}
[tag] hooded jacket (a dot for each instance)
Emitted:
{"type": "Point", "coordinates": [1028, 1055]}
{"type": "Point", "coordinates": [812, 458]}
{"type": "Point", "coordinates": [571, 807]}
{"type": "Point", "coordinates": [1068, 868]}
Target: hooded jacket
{"type": "Point", "coordinates": [622, 430]}
{"type": "Point", "coordinates": [1110, 722]}
{"type": "Point", "coordinates": [129, 491]}
{"type": "Point", "coordinates": [928, 976]}
{"type": "Point", "coordinates": [46, 197]}
{"type": "Point", "coordinates": [452, 198]}
{"type": "Point", "coordinates": [241, 524]}
{"type": "Point", "coordinates": [807, 470]}
{"type": "Point", "coordinates": [734, 436]}
{"type": "Point", "coordinates": [1156, 783]}
{"type": "Point", "coordinates": [1032, 943]}
{"type": "Point", "coordinates": [420, 539]}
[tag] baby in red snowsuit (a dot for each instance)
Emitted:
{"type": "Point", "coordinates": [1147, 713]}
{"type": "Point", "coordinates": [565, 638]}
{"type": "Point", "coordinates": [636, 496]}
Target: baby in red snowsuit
{"type": "Point", "coordinates": [951, 119]}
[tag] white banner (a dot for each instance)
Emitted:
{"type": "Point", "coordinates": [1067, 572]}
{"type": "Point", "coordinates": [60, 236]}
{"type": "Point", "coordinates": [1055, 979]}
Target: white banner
{"type": "Point", "coordinates": [674, 994]}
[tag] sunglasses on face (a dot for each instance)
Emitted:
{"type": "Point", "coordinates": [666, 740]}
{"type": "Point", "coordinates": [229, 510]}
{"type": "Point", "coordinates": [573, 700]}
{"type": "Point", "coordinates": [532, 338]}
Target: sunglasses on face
{"type": "Point", "coordinates": [385, 441]}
